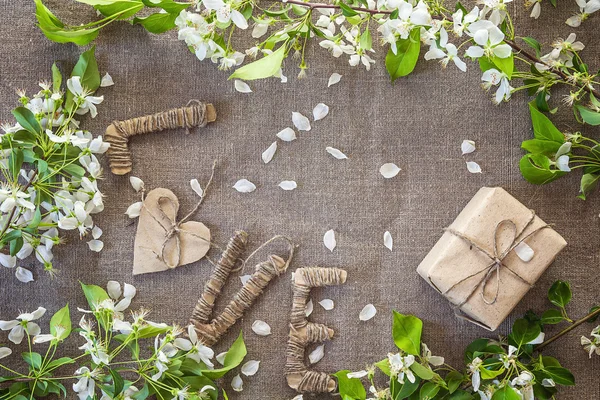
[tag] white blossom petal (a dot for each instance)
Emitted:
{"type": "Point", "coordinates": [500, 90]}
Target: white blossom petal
{"type": "Point", "coordinates": [23, 275]}
{"type": "Point", "coordinates": [524, 252]}
{"type": "Point", "coordinates": [336, 153]}
{"type": "Point", "coordinates": [268, 154]}
{"type": "Point", "coordinates": [245, 278]}
{"type": "Point", "coordinates": [107, 80]}
{"type": "Point", "coordinates": [388, 241]}
{"type": "Point", "coordinates": [389, 170]}
{"type": "Point", "coordinates": [113, 288]}
{"type": "Point", "coordinates": [221, 357]}
{"type": "Point", "coordinates": [250, 368]}
{"type": "Point", "coordinates": [320, 111]}
{"type": "Point", "coordinates": [288, 185]}
{"type": "Point", "coordinates": [136, 183]}
{"type": "Point", "coordinates": [309, 307]}
{"type": "Point", "coordinates": [96, 232]}
{"type": "Point", "coordinates": [327, 304]}
{"type": "Point", "coordinates": [329, 240]}
{"type": "Point", "coordinates": [196, 187]}
{"type": "Point", "coordinates": [129, 291]}
{"type": "Point", "coordinates": [244, 186]}
{"type": "Point", "coordinates": [367, 312]}
{"type": "Point", "coordinates": [287, 134]}
{"type": "Point", "coordinates": [539, 339]}
{"type": "Point", "coordinates": [467, 147]}
{"type": "Point", "coordinates": [133, 211]}
{"type": "Point", "coordinates": [5, 352]}
{"type": "Point", "coordinates": [242, 86]}
{"type": "Point", "coordinates": [300, 121]}
{"type": "Point", "coordinates": [473, 167]}
{"type": "Point", "coordinates": [96, 245]}
{"type": "Point", "coordinates": [7, 260]}
{"type": "Point", "coordinates": [237, 383]}
{"type": "Point", "coordinates": [317, 354]}
{"type": "Point", "coordinates": [333, 79]}
{"type": "Point", "coordinates": [261, 328]}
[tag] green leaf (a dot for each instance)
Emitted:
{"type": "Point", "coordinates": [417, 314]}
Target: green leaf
{"type": "Point", "coordinates": [524, 331]}
{"type": "Point", "coordinates": [87, 69]}
{"type": "Point", "coordinates": [27, 120]}
{"type": "Point", "coordinates": [590, 117]}
{"type": "Point", "coordinates": [10, 236]}
{"type": "Point", "coordinates": [506, 65]}
{"type": "Point", "coordinates": [406, 330]}
{"type": "Point", "coordinates": [491, 373]}
{"type": "Point", "coordinates": [118, 9]}
{"type": "Point", "coordinates": [543, 128]}
{"type": "Point", "coordinates": [59, 362]}
{"type": "Point", "coordinates": [118, 383]}
{"type": "Point", "coordinates": [384, 366]}
{"type": "Point", "coordinates": [55, 30]}
{"type": "Point", "coordinates": [560, 375]}
{"type": "Point", "coordinates": [454, 379]}
{"type": "Point", "coordinates": [402, 391]}
{"type": "Point", "coordinates": [94, 295]}
{"type": "Point", "coordinates": [74, 170]}
{"type": "Point", "coordinates": [404, 61]}
{"type": "Point", "coordinates": [33, 359]}
{"type": "Point", "coordinates": [594, 318]}
{"type": "Point", "coordinates": [15, 161]}
{"type": "Point", "coordinates": [421, 371]}
{"type": "Point", "coordinates": [62, 318]}
{"type": "Point", "coordinates": [46, 19]}
{"type": "Point", "coordinates": [15, 246]}
{"type": "Point", "coordinates": [552, 317]}
{"type": "Point", "coordinates": [366, 41]}
{"type": "Point", "coordinates": [351, 387]}
{"type": "Point", "coordinates": [150, 331]}
{"type": "Point", "coordinates": [560, 294]}
{"type": "Point", "coordinates": [56, 78]}
{"type": "Point", "coordinates": [461, 395]}
{"type": "Point", "coordinates": [264, 68]}
{"type": "Point", "coordinates": [534, 44]}
{"type": "Point", "coordinates": [157, 22]}
{"type": "Point", "coordinates": [535, 168]}
{"type": "Point", "coordinates": [506, 393]}
{"type": "Point", "coordinates": [346, 10]}
{"type": "Point", "coordinates": [540, 146]}
{"type": "Point", "coordinates": [477, 345]}
{"type": "Point", "coordinates": [24, 136]}
{"type": "Point", "coordinates": [428, 391]}
{"type": "Point", "coordinates": [170, 6]}
{"type": "Point", "coordinates": [234, 357]}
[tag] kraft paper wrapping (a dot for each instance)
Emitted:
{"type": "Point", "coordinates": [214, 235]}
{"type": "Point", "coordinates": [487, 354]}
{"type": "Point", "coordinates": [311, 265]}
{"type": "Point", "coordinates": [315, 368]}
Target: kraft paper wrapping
{"type": "Point", "coordinates": [453, 259]}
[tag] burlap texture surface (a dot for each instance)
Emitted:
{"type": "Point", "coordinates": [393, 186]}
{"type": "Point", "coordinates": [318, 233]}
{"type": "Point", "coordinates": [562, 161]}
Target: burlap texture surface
{"type": "Point", "coordinates": [418, 123]}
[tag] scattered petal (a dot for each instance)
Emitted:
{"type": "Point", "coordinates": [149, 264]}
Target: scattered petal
{"type": "Point", "coordinates": [244, 186]}
{"type": "Point", "coordinates": [113, 288]}
{"type": "Point", "coordinates": [287, 134]}
{"type": "Point", "coordinates": [196, 187]}
{"type": "Point", "coordinates": [221, 357]}
{"type": "Point", "coordinates": [367, 312]}
{"type": "Point", "coordinates": [268, 154]}
{"type": "Point", "coordinates": [300, 121]}
{"type": "Point", "coordinates": [107, 80]}
{"type": "Point", "coordinates": [309, 307]}
{"type": "Point", "coordinates": [336, 153]}
{"type": "Point", "coordinates": [389, 170]}
{"type": "Point", "coordinates": [317, 354]}
{"type": "Point", "coordinates": [327, 304]}
{"type": "Point", "coordinates": [320, 111]}
{"type": "Point", "coordinates": [242, 86]}
{"type": "Point", "coordinates": [5, 352]}
{"type": "Point", "coordinates": [237, 383]}
{"type": "Point", "coordinates": [329, 240]}
{"type": "Point", "coordinates": [288, 185]}
{"type": "Point", "coordinates": [524, 252]}
{"type": "Point", "coordinates": [261, 328]}
{"type": "Point", "coordinates": [23, 275]}
{"type": "Point", "coordinates": [133, 211]}
{"type": "Point", "coordinates": [250, 368]}
{"type": "Point", "coordinates": [96, 245]}
{"type": "Point", "coordinates": [539, 339]}
{"type": "Point", "coordinates": [357, 374]}
{"type": "Point", "coordinates": [473, 167]}
{"type": "Point", "coordinates": [467, 147]}
{"type": "Point", "coordinates": [388, 241]}
{"type": "Point", "coordinates": [136, 183]}
{"type": "Point", "coordinates": [245, 278]}
{"type": "Point", "coordinates": [333, 79]}
{"type": "Point", "coordinates": [96, 232]}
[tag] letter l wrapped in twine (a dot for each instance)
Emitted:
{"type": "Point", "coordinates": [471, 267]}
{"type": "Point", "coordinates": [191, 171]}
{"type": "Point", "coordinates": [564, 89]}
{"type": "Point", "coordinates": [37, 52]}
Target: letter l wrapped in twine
{"type": "Point", "coordinates": [494, 267]}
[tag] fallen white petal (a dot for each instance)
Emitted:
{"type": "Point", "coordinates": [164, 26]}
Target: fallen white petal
{"type": "Point", "coordinates": [309, 307]}
{"type": "Point", "coordinates": [107, 80]}
{"type": "Point", "coordinates": [473, 167]}
{"type": "Point", "coordinates": [244, 186]}
{"type": "Point", "coordinates": [96, 232]}
{"type": "Point", "coordinates": [250, 368]}
{"type": "Point", "coordinates": [388, 241]}
{"type": "Point", "coordinates": [467, 147]}
{"type": "Point", "coordinates": [300, 121]}
{"type": "Point", "coordinates": [329, 240]}
{"type": "Point", "coordinates": [23, 275]}
{"type": "Point", "coordinates": [367, 312]}
{"type": "Point", "coordinates": [196, 187]}
{"type": "Point", "coordinates": [524, 252]}
{"type": "Point", "coordinates": [242, 86]}
{"type": "Point", "coordinates": [133, 211]}
{"type": "Point", "coordinates": [221, 357]}
{"type": "Point", "coordinates": [317, 354]}
{"type": "Point", "coordinates": [268, 154]}
{"type": "Point", "coordinates": [136, 183]}
{"type": "Point", "coordinates": [336, 153]}
{"type": "Point", "coordinates": [288, 185]}
{"type": "Point", "coordinates": [287, 134]}
{"type": "Point", "coordinates": [334, 78]}
{"type": "Point", "coordinates": [96, 245]}
{"type": "Point", "coordinates": [245, 278]}
{"type": "Point", "coordinates": [389, 170]}
{"type": "Point", "coordinates": [237, 383]}
{"type": "Point", "coordinates": [113, 288]}
{"type": "Point", "coordinates": [261, 328]}
{"type": "Point", "coordinates": [327, 304]}
{"type": "Point", "coordinates": [320, 111]}
{"type": "Point", "coordinates": [129, 291]}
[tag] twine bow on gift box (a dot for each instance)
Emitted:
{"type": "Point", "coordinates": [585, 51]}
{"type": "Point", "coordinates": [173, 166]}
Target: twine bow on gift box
{"type": "Point", "coordinates": [496, 257]}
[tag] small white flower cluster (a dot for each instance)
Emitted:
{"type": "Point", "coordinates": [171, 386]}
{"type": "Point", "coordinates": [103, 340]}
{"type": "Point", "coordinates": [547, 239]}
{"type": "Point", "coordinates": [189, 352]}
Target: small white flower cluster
{"type": "Point", "coordinates": [592, 344]}
{"type": "Point", "coordinates": [586, 9]}
{"type": "Point", "coordinates": [71, 200]}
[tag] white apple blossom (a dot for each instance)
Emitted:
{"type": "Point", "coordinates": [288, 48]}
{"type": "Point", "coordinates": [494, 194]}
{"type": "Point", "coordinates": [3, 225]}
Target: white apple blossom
{"type": "Point", "coordinates": [226, 13]}
{"type": "Point", "coordinates": [493, 77]}
{"type": "Point", "coordinates": [23, 325]}
{"type": "Point", "coordinates": [83, 97]}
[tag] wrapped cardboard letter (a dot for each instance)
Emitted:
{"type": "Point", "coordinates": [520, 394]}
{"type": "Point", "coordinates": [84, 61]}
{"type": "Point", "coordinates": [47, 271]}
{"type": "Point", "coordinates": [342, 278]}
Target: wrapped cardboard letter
{"type": "Point", "coordinates": [491, 255]}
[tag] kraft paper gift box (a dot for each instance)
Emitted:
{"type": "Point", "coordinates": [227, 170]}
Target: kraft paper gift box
{"type": "Point", "coordinates": [485, 284]}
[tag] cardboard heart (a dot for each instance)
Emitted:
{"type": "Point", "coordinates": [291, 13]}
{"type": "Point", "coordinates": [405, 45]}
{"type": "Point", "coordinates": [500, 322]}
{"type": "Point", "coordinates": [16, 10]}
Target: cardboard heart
{"type": "Point", "coordinates": [159, 243]}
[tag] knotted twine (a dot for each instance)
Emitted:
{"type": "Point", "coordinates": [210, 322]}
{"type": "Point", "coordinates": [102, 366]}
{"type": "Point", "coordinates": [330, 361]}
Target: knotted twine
{"type": "Point", "coordinates": [497, 261]}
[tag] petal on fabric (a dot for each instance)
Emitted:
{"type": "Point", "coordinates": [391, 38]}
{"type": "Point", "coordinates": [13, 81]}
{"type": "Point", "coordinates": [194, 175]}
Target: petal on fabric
{"type": "Point", "coordinates": [367, 312]}
{"type": "Point", "coordinates": [261, 328]}
{"type": "Point", "coordinates": [473, 167]}
{"type": "Point", "coordinates": [287, 134]}
{"type": "Point", "coordinates": [244, 186]}
{"type": "Point", "coordinates": [241, 86]}
{"type": "Point", "coordinates": [269, 153]}
{"type": "Point", "coordinates": [250, 368]}
{"type": "Point", "coordinates": [388, 241]}
{"type": "Point", "coordinates": [24, 275]}
{"type": "Point", "coordinates": [467, 147]}
{"type": "Point", "coordinates": [389, 170]}
{"type": "Point", "coordinates": [300, 121]}
{"type": "Point", "coordinates": [327, 304]}
{"type": "Point", "coordinates": [107, 80]}
{"type": "Point", "coordinates": [317, 354]}
{"type": "Point", "coordinates": [329, 240]}
{"type": "Point", "coordinates": [113, 288]}
{"type": "Point", "coordinates": [336, 153]}
{"type": "Point", "coordinates": [333, 79]}
{"type": "Point", "coordinates": [288, 185]}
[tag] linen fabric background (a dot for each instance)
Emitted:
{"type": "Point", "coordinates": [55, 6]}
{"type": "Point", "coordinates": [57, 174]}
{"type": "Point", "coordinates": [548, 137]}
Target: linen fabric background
{"type": "Point", "coordinates": [418, 123]}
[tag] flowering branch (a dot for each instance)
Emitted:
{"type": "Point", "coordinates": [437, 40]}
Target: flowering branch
{"type": "Point", "coordinates": [591, 316]}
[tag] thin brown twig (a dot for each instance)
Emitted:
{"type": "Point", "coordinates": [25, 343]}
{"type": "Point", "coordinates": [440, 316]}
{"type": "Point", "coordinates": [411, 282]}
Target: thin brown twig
{"type": "Point", "coordinates": [569, 329]}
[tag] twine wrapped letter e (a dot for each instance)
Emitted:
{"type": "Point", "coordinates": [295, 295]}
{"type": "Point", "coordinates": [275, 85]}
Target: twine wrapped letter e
{"type": "Point", "coordinates": [195, 114]}
{"type": "Point", "coordinates": [303, 332]}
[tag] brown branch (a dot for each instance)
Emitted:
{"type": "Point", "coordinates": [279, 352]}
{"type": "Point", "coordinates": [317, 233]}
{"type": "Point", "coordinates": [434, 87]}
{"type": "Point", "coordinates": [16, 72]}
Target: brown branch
{"type": "Point", "coordinates": [568, 329]}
